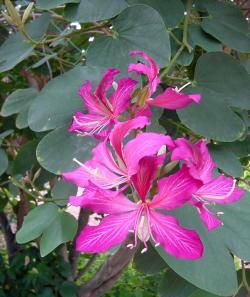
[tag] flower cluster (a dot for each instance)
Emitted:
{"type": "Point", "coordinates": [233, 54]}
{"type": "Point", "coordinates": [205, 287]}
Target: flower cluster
{"type": "Point", "coordinates": [126, 180]}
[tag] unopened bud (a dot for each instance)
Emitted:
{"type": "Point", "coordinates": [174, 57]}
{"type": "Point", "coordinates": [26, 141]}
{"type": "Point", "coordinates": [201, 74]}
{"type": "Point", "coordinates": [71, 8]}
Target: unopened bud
{"type": "Point", "coordinates": [27, 12]}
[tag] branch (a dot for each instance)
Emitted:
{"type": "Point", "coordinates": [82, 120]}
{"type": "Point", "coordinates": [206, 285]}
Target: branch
{"type": "Point", "coordinates": [108, 273]}
{"type": "Point", "coordinates": [9, 236]}
{"type": "Point", "coordinates": [74, 255]}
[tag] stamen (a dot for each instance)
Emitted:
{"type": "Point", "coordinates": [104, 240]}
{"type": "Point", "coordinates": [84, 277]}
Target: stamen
{"type": "Point", "coordinates": [157, 244]}
{"type": "Point", "coordinates": [130, 246]}
{"type": "Point", "coordinates": [144, 250]}
{"type": "Point", "coordinates": [183, 87]}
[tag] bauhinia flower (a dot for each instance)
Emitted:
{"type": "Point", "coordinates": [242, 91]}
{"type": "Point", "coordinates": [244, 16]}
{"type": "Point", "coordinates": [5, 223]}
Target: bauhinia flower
{"type": "Point", "coordinates": [221, 190]}
{"type": "Point", "coordinates": [107, 170]}
{"type": "Point", "coordinates": [171, 98]}
{"type": "Point", "coordinates": [144, 218]}
{"type": "Point", "coordinates": [200, 164]}
{"type": "Point", "coordinates": [102, 112]}
{"type": "Point", "coordinates": [196, 157]}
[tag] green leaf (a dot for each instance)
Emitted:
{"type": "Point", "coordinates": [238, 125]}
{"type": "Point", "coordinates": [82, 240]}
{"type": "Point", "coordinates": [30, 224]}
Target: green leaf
{"type": "Point", "coordinates": [56, 150]}
{"type": "Point", "coordinates": [226, 160]}
{"type": "Point", "coordinates": [56, 103]}
{"type": "Point", "coordinates": [3, 161]}
{"type": "Point", "coordinates": [196, 36]}
{"type": "Point", "coordinates": [49, 4]}
{"type": "Point", "coordinates": [172, 11]}
{"type": "Point", "coordinates": [137, 28]}
{"type": "Point", "coordinates": [25, 159]}
{"type": "Point", "coordinates": [43, 60]}
{"type": "Point", "coordinates": [215, 268]}
{"type": "Point", "coordinates": [149, 262]}
{"type": "Point", "coordinates": [62, 229]}
{"type": "Point", "coordinates": [94, 10]}
{"type": "Point", "coordinates": [172, 285]}
{"type": "Point", "coordinates": [15, 49]}
{"type": "Point", "coordinates": [235, 231]}
{"type": "Point", "coordinates": [56, 227]}
{"type": "Point", "coordinates": [240, 148]}
{"type": "Point", "coordinates": [227, 24]}
{"type": "Point", "coordinates": [36, 221]}
{"type": "Point", "coordinates": [22, 119]}
{"type": "Point", "coordinates": [18, 101]}
{"type": "Point", "coordinates": [155, 125]}
{"type": "Point", "coordinates": [210, 74]}
{"type": "Point", "coordinates": [68, 289]}
{"type": "Point", "coordinates": [212, 118]}
{"type": "Point", "coordinates": [63, 189]}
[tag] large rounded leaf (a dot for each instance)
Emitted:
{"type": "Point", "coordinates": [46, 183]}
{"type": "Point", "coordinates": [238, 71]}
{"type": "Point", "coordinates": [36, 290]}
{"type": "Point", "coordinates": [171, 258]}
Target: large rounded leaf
{"type": "Point", "coordinates": [137, 28]}
{"type": "Point", "coordinates": [216, 267]}
{"type": "Point", "coordinates": [62, 229]}
{"type": "Point", "coordinates": [227, 24]}
{"type": "Point", "coordinates": [172, 11]}
{"type": "Point", "coordinates": [212, 118]}
{"type": "Point", "coordinates": [49, 4]}
{"type": "Point", "coordinates": [55, 105]}
{"type": "Point", "coordinates": [94, 10]}
{"type": "Point", "coordinates": [226, 160]}
{"type": "Point", "coordinates": [226, 76]}
{"type": "Point", "coordinates": [55, 226]}
{"type": "Point", "coordinates": [57, 149]}
{"type": "Point", "coordinates": [172, 285]}
{"type": "Point", "coordinates": [15, 49]}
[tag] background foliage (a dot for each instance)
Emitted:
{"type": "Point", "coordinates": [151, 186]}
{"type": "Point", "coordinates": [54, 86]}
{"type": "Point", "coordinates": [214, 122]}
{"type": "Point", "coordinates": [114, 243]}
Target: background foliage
{"type": "Point", "coordinates": [46, 52]}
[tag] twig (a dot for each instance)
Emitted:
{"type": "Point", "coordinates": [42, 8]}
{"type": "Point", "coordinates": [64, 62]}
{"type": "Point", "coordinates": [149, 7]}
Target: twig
{"type": "Point", "coordinates": [87, 266]}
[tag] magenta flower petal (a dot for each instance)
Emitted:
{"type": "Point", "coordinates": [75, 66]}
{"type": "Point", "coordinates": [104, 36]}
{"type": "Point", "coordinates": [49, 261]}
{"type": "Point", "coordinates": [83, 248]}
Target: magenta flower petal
{"type": "Point", "coordinates": [210, 220]}
{"type": "Point", "coordinates": [121, 130]}
{"type": "Point", "coordinates": [177, 241]}
{"type": "Point", "coordinates": [105, 84]}
{"type": "Point", "coordinates": [91, 102]}
{"type": "Point", "coordinates": [78, 176]}
{"type": "Point", "coordinates": [88, 123]}
{"type": "Point", "coordinates": [196, 157]}
{"type": "Point", "coordinates": [121, 97]}
{"type": "Point", "coordinates": [172, 99]}
{"type": "Point", "coordinates": [102, 155]}
{"type": "Point", "coordinates": [174, 190]}
{"type": "Point", "coordinates": [144, 177]}
{"type": "Point", "coordinates": [112, 231]}
{"type": "Point", "coordinates": [151, 70]}
{"type": "Point", "coordinates": [104, 201]}
{"type": "Point", "coordinates": [145, 144]}
{"type": "Point", "coordinates": [220, 190]}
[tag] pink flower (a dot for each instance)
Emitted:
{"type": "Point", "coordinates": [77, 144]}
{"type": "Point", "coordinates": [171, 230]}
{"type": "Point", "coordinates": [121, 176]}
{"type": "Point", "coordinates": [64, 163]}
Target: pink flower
{"type": "Point", "coordinates": [220, 190]}
{"type": "Point", "coordinates": [196, 157]}
{"type": "Point", "coordinates": [170, 98]}
{"type": "Point", "coordinates": [143, 219]}
{"type": "Point", "coordinates": [102, 112]}
{"type": "Point", "coordinates": [107, 170]}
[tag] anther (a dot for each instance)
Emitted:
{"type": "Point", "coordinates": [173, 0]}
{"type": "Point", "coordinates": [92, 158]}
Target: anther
{"type": "Point", "coordinates": [144, 250]}
{"type": "Point", "coordinates": [157, 244]}
{"type": "Point", "coordinates": [219, 213]}
{"type": "Point", "coordinates": [131, 231]}
{"type": "Point", "coordinates": [130, 246]}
